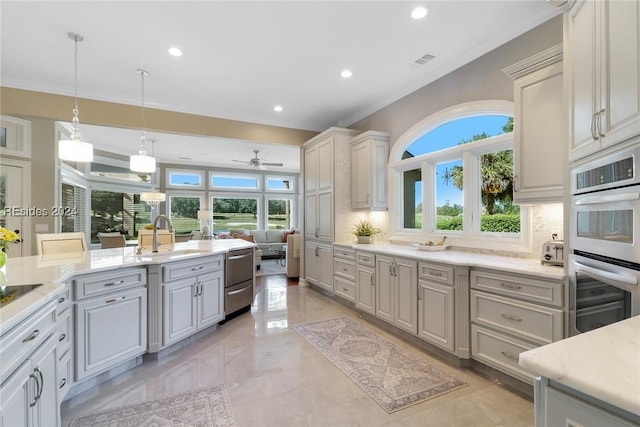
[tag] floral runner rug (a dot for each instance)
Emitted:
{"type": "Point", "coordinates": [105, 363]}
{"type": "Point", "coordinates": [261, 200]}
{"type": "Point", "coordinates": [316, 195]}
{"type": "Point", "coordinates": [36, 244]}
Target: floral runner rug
{"type": "Point", "coordinates": [394, 377]}
{"type": "Point", "coordinates": [204, 407]}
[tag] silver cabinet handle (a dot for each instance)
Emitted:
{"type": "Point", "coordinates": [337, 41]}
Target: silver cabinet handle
{"type": "Point", "coordinates": [35, 398]}
{"type": "Point", "coordinates": [510, 355]}
{"type": "Point", "coordinates": [200, 287]}
{"type": "Point", "coordinates": [599, 123]}
{"type": "Point", "coordinates": [345, 289]}
{"type": "Point", "coordinates": [109, 301]}
{"type": "Point", "coordinates": [511, 317]}
{"type": "Point", "coordinates": [420, 293]}
{"type": "Point", "coordinates": [373, 280]}
{"type": "Point", "coordinates": [195, 289]}
{"type": "Point", "coordinates": [364, 259]}
{"type": "Point", "coordinates": [201, 267]}
{"type": "Point", "coordinates": [238, 291]}
{"type": "Point", "coordinates": [593, 126]}
{"type": "Point", "coordinates": [119, 282]}
{"type": "Point", "coordinates": [317, 231]}
{"type": "Point", "coordinates": [510, 285]}
{"type": "Point", "coordinates": [61, 300]}
{"type": "Point", "coordinates": [33, 336]}
{"type": "Point", "coordinates": [435, 273]}
{"type": "Point", "coordinates": [63, 382]}
{"type": "Point", "coordinates": [39, 372]}
{"type": "Point", "coordinates": [345, 269]}
{"type": "Point", "coordinates": [62, 337]}
{"type": "Point", "coordinates": [317, 250]}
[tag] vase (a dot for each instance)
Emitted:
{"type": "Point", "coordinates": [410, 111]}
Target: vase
{"type": "Point", "coordinates": [3, 259]}
{"type": "Point", "coordinates": [364, 239]}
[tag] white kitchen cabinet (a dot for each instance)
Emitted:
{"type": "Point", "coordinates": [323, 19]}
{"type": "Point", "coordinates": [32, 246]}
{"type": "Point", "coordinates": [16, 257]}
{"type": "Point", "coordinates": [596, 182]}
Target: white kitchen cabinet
{"type": "Point", "coordinates": [327, 196]}
{"type": "Point", "coordinates": [318, 262]}
{"type": "Point", "coordinates": [366, 282]}
{"type": "Point", "coordinates": [192, 297]}
{"type": "Point", "coordinates": [28, 395]}
{"type": "Point", "coordinates": [436, 305]}
{"type": "Point", "coordinates": [396, 292]}
{"type": "Point", "coordinates": [369, 158]}
{"type": "Point", "coordinates": [540, 148]}
{"type": "Point", "coordinates": [344, 272]}
{"type": "Point", "coordinates": [562, 408]}
{"type": "Point", "coordinates": [602, 47]}
{"type": "Point", "coordinates": [111, 329]}
{"type": "Point", "coordinates": [512, 313]}
{"type": "Point", "coordinates": [64, 341]}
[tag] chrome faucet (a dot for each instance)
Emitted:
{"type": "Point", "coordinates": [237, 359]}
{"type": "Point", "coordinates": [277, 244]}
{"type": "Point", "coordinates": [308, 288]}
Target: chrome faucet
{"type": "Point", "coordinates": [155, 230]}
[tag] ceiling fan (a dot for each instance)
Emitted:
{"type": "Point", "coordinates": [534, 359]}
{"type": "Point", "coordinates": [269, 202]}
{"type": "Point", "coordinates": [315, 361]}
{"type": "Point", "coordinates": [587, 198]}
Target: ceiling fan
{"type": "Point", "coordinates": [257, 162]}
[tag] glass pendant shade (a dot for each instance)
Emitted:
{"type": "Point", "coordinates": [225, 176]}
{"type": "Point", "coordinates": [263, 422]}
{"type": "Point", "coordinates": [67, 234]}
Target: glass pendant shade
{"type": "Point", "coordinates": [142, 163]}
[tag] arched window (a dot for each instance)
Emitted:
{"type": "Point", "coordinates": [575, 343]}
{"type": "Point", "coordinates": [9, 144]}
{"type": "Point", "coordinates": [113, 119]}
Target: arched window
{"type": "Point", "coordinates": [452, 175]}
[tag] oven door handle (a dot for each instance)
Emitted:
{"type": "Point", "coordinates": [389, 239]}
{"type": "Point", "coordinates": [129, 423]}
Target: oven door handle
{"type": "Point", "coordinates": [592, 200]}
{"type": "Point", "coordinates": [605, 276]}
{"type": "Point", "coordinates": [237, 257]}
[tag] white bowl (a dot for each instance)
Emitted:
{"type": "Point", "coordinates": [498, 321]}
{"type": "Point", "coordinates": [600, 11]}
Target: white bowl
{"type": "Point", "coordinates": [432, 248]}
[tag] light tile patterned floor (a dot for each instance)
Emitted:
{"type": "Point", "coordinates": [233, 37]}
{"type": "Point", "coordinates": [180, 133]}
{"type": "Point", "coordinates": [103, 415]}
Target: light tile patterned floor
{"type": "Point", "coordinates": [275, 378]}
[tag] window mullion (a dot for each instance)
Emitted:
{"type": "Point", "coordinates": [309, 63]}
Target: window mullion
{"type": "Point", "coordinates": [471, 194]}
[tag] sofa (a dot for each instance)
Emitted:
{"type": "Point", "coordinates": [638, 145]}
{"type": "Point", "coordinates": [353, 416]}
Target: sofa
{"type": "Point", "coordinates": [270, 241]}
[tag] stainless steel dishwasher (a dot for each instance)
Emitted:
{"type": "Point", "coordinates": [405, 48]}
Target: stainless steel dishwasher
{"type": "Point", "coordinates": [238, 287]}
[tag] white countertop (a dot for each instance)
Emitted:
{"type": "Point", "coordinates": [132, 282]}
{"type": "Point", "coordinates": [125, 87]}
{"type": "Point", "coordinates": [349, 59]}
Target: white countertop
{"type": "Point", "coordinates": [470, 259]}
{"type": "Point", "coordinates": [53, 270]}
{"type": "Point", "coordinates": [603, 363]}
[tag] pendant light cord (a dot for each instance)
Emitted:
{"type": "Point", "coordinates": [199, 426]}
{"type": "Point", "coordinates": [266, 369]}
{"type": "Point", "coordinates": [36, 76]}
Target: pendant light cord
{"type": "Point", "coordinates": [76, 120]}
{"type": "Point", "coordinates": [143, 137]}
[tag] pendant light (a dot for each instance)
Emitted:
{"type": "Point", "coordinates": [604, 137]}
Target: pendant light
{"type": "Point", "coordinates": [75, 150]}
{"type": "Point", "coordinates": [142, 162]}
{"type": "Point", "coordinates": [153, 198]}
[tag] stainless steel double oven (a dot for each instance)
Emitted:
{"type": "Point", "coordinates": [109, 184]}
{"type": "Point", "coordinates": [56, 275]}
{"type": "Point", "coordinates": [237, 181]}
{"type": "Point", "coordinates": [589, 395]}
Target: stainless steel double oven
{"type": "Point", "coordinates": [604, 263]}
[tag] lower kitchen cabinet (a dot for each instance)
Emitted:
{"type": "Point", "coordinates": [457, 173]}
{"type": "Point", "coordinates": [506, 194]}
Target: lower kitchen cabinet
{"type": "Point", "coordinates": [318, 265]}
{"type": "Point", "coordinates": [396, 292]}
{"type": "Point", "coordinates": [366, 289]}
{"type": "Point", "coordinates": [29, 396]}
{"type": "Point", "coordinates": [344, 270]}
{"type": "Point", "coordinates": [111, 329]}
{"type": "Point", "coordinates": [436, 314]}
{"type": "Point", "coordinates": [191, 304]}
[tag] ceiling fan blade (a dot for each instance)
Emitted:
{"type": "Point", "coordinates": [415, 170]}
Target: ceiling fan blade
{"type": "Point", "coordinates": [241, 161]}
{"type": "Point", "coordinates": [271, 164]}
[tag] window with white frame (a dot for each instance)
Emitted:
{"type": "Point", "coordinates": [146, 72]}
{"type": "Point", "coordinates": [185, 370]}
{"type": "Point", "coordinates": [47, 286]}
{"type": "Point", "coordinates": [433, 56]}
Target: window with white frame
{"type": "Point", "coordinates": [183, 211]}
{"type": "Point", "coordinates": [186, 179]}
{"type": "Point", "coordinates": [235, 181]}
{"type": "Point", "coordinates": [231, 213]}
{"type": "Point", "coordinates": [74, 198]}
{"type": "Point", "coordinates": [280, 184]}
{"type": "Point", "coordinates": [452, 175]}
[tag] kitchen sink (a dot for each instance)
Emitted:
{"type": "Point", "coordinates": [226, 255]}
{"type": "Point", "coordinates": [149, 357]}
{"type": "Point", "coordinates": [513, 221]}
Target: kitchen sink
{"type": "Point", "coordinates": [168, 254]}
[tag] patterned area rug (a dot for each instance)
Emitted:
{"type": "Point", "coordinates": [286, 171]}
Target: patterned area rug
{"type": "Point", "coordinates": [202, 408]}
{"type": "Point", "coordinates": [394, 377]}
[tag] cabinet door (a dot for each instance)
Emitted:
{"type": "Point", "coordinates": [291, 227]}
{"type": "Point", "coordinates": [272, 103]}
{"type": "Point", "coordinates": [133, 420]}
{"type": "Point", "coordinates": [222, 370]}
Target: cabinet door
{"type": "Point", "coordinates": [110, 330]}
{"type": "Point", "coordinates": [43, 363]}
{"type": "Point", "coordinates": [325, 256]}
{"type": "Point", "coordinates": [311, 216]}
{"type": "Point", "coordinates": [311, 170]}
{"type": "Point", "coordinates": [436, 314]}
{"type": "Point", "coordinates": [15, 396]}
{"type": "Point", "coordinates": [179, 302]}
{"type": "Point", "coordinates": [621, 119]}
{"type": "Point", "coordinates": [325, 216]}
{"type": "Point", "coordinates": [366, 289]}
{"type": "Point", "coordinates": [385, 294]}
{"type": "Point", "coordinates": [406, 295]}
{"type": "Point", "coordinates": [581, 26]}
{"type": "Point", "coordinates": [325, 165]}
{"type": "Point", "coordinates": [540, 148]}
{"type": "Point", "coordinates": [312, 262]}
{"type": "Point", "coordinates": [210, 299]}
{"type": "Point", "coordinates": [360, 175]}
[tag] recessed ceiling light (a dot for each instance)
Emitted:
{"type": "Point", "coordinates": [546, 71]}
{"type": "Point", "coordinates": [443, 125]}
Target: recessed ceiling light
{"type": "Point", "coordinates": [419, 12]}
{"type": "Point", "coordinates": [174, 51]}
{"type": "Point", "coordinates": [345, 74]}
{"type": "Point", "coordinates": [278, 108]}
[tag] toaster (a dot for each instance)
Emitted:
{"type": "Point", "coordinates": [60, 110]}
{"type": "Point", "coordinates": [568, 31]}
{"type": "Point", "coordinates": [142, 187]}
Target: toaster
{"type": "Point", "coordinates": [553, 252]}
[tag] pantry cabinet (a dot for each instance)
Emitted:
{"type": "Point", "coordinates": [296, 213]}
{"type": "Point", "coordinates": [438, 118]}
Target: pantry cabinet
{"type": "Point", "coordinates": [540, 139]}
{"type": "Point", "coordinates": [602, 47]}
{"type": "Point", "coordinates": [369, 158]}
{"type": "Point", "coordinates": [396, 292]}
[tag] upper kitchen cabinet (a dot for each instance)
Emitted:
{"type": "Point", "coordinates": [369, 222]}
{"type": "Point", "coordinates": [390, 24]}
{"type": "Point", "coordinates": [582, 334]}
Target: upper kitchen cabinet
{"type": "Point", "coordinates": [327, 184]}
{"type": "Point", "coordinates": [369, 157]}
{"type": "Point", "coordinates": [602, 51]}
{"type": "Point", "coordinates": [540, 138]}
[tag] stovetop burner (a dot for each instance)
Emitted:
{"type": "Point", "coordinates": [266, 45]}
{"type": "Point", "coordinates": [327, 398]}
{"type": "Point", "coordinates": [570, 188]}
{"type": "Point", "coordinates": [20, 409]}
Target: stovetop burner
{"type": "Point", "coordinates": [8, 294]}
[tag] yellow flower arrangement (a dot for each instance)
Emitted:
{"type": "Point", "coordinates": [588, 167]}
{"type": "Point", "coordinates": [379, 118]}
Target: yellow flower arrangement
{"type": "Point", "coordinates": [6, 237]}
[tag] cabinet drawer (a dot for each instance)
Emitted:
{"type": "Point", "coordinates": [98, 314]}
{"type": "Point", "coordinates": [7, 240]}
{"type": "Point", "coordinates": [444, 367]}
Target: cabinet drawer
{"type": "Point", "coordinates": [436, 272]}
{"type": "Point", "coordinates": [365, 258]}
{"type": "Point", "coordinates": [63, 334]}
{"type": "Point", "coordinates": [538, 291]}
{"type": "Point", "coordinates": [64, 300]}
{"type": "Point", "coordinates": [344, 288]}
{"type": "Point", "coordinates": [344, 268]}
{"type": "Point", "coordinates": [346, 253]}
{"type": "Point", "coordinates": [500, 352]}
{"type": "Point", "coordinates": [540, 324]}
{"type": "Point", "coordinates": [22, 340]}
{"type": "Point", "coordinates": [182, 269]}
{"type": "Point", "coordinates": [103, 283]}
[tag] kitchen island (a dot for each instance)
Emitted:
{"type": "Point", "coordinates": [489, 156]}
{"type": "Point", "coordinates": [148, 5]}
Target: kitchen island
{"type": "Point", "coordinates": [591, 379]}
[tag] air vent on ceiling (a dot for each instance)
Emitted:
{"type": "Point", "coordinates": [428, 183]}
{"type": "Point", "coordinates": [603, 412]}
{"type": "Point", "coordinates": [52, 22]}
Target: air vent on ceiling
{"type": "Point", "coordinates": [427, 57]}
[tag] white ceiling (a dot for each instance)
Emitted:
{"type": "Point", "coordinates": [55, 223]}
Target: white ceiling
{"type": "Point", "coordinates": [242, 58]}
